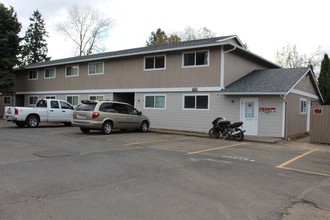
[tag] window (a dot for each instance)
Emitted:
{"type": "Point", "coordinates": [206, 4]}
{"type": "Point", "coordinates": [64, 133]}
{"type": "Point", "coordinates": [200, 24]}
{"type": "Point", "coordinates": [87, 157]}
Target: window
{"type": "Point", "coordinates": [72, 71]}
{"type": "Point", "coordinates": [50, 73]}
{"type": "Point", "coordinates": [33, 75]}
{"type": "Point", "coordinates": [96, 97]}
{"type": "Point", "coordinates": [155, 101]}
{"type": "Point", "coordinates": [33, 100]}
{"type": "Point", "coordinates": [199, 102]}
{"type": "Point", "coordinates": [73, 100]}
{"type": "Point", "coordinates": [303, 106]}
{"type": "Point", "coordinates": [95, 68]}
{"type": "Point", "coordinates": [50, 97]}
{"type": "Point", "coordinates": [7, 100]}
{"type": "Point", "coordinates": [156, 62]}
{"type": "Point", "coordinates": [200, 58]}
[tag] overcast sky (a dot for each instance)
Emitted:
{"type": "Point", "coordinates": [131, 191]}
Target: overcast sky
{"type": "Point", "coordinates": [266, 26]}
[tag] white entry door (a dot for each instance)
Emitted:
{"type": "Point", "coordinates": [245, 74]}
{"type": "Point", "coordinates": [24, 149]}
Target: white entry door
{"type": "Point", "coordinates": [249, 115]}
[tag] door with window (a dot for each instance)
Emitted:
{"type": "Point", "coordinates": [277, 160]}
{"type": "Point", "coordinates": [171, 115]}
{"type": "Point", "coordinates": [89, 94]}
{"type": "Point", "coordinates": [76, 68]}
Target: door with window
{"type": "Point", "coordinates": [249, 115]}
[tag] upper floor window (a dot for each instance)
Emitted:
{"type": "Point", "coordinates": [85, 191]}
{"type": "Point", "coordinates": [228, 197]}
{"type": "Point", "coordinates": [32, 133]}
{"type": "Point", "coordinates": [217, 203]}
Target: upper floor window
{"type": "Point", "coordinates": [33, 75]}
{"type": "Point", "coordinates": [196, 102]}
{"type": "Point", "coordinates": [50, 73]}
{"type": "Point", "coordinates": [200, 58]}
{"type": "Point", "coordinates": [154, 62]}
{"type": "Point", "coordinates": [95, 68]}
{"type": "Point", "coordinates": [72, 71]}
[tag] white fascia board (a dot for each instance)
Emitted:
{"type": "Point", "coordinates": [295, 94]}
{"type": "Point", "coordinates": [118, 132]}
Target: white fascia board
{"type": "Point", "coordinates": [146, 90]}
{"type": "Point", "coordinates": [253, 93]}
{"type": "Point", "coordinates": [299, 92]}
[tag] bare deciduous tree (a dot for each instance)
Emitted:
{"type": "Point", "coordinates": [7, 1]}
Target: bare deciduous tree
{"type": "Point", "coordinates": [190, 33]}
{"type": "Point", "coordinates": [86, 27]}
{"type": "Point", "coordinates": [289, 57]}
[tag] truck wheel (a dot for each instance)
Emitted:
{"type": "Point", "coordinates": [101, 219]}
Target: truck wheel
{"type": "Point", "coordinates": [32, 121]}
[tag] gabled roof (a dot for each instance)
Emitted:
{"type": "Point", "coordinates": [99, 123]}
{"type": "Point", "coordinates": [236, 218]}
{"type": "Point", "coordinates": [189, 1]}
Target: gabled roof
{"type": "Point", "coordinates": [269, 82]}
{"type": "Point", "coordinates": [183, 45]}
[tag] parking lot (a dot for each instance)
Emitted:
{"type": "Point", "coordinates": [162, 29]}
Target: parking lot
{"type": "Point", "coordinates": [57, 172]}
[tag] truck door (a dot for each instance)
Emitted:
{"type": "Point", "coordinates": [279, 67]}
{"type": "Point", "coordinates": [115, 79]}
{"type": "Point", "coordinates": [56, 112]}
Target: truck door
{"type": "Point", "coordinates": [54, 112]}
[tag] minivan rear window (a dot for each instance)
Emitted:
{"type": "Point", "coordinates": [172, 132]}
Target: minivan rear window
{"type": "Point", "coordinates": [86, 107]}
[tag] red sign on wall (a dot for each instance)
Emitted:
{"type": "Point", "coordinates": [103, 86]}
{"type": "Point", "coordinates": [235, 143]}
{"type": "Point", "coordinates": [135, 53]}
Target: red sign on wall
{"type": "Point", "coordinates": [318, 111]}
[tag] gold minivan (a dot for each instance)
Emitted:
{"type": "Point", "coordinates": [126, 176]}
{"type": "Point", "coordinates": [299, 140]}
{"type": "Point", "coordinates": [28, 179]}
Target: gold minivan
{"type": "Point", "coordinates": [108, 115]}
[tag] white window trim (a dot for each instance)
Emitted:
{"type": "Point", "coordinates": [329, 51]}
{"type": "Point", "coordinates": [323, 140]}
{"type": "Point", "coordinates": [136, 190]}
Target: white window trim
{"type": "Point", "coordinates": [154, 69]}
{"type": "Point", "coordinates": [66, 69]}
{"type": "Point", "coordinates": [195, 95]}
{"type": "Point", "coordinates": [50, 77]}
{"type": "Point", "coordinates": [10, 100]}
{"type": "Point", "coordinates": [305, 112]}
{"type": "Point", "coordinates": [196, 66]}
{"type": "Point", "coordinates": [89, 97]}
{"type": "Point", "coordinates": [33, 78]}
{"type": "Point", "coordinates": [66, 99]}
{"type": "Point", "coordinates": [30, 96]}
{"type": "Point", "coordinates": [144, 105]}
{"type": "Point", "coordinates": [93, 74]}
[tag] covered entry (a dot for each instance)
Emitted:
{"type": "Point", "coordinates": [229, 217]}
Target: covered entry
{"type": "Point", "coordinates": [124, 97]}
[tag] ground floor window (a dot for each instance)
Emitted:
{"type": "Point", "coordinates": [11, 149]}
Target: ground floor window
{"type": "Point", "coordinates": [50, 97]}
{"type": "Point", "coordinates": [33, 100]}
{"type": "Point", "coordinates": [303, 106]}
{"type": "Point", "coordinates": [155, 101]}
{"type": "Point", "coordinates": [73, 100]}
{"type": "Point", "coordinates": [7, 100]}
{"type": "Point", "coordinates": [96, 97]}
{"type": "Point", "coordinates": [198, 102]}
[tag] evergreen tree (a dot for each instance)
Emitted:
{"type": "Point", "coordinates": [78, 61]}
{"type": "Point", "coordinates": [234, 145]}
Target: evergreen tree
{"type": "Point", "coordinates": [9, 47]}
{"type": "Point", "coordinates": [324, 79]}
{"type": "Point", "coordinates": [160, 37]}
{"type": "Point", "coordinates": [34, 48]}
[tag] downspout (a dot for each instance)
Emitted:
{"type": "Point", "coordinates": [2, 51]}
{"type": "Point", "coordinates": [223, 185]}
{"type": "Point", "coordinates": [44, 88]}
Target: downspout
{"type": "Point", "coordinates": [222, 65]}
{"type": "Point", "coordinates": [284, 119]}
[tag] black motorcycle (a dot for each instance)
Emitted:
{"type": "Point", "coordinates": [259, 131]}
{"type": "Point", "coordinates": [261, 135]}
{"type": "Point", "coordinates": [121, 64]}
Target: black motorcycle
{"type": "Point", "coordinates": [227, 130]}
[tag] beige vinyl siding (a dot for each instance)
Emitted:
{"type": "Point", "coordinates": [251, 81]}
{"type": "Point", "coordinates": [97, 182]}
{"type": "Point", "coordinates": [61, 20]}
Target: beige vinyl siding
{"type": "Point", "coordinates": [270, 124]}
{"type": "Point", "coordinates": [296, 123]}
{"type": "Point", "coordinates": [174, 117]}
{"type": "Point", "coordinates": [129, 73]}
{"type": "Point", "coordinates": [237, 66]}
{"type": "Point", "coordinates": [306, 85]}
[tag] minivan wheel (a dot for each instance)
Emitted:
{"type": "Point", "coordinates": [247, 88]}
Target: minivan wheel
{"type": "Point", "coordinates": [144, 126]}
{"type": "Point", "coordinates": [107, 127]}
{"type": "Point", "coordinates": [85, 130]}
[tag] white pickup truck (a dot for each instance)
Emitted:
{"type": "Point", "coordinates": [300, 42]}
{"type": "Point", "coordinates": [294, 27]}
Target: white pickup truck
{"type": "Point", "coordinates": [46, 110]}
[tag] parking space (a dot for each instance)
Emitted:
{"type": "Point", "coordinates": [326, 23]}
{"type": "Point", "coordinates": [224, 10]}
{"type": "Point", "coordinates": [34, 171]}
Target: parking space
{"type": "Point", "coordinates": [169, 173]}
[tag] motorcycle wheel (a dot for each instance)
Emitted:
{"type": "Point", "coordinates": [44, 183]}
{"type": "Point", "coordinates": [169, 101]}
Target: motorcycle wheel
{"type": "Point", "coordinates": [239, 136]}
{"type": "Point", "coordinates": [213, 133]}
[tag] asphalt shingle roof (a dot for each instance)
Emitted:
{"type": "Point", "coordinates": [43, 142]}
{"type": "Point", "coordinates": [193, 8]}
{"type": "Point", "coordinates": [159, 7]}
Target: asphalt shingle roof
{"type": "Point", "coordinates": [267, 81]}
{"type": "Point", "coordinates": [135, 51]}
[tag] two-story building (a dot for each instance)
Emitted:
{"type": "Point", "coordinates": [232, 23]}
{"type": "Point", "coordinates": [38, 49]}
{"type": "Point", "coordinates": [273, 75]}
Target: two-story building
{"type": "Point", "coordinates": [182, 86]}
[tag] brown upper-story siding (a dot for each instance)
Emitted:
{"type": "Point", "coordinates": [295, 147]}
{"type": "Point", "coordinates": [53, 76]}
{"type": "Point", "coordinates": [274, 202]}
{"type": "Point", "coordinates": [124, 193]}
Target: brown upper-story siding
{"type": "Point", "coordinates": [129, 73]}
